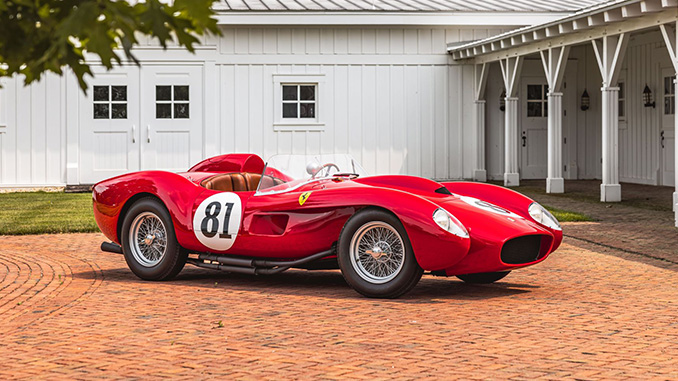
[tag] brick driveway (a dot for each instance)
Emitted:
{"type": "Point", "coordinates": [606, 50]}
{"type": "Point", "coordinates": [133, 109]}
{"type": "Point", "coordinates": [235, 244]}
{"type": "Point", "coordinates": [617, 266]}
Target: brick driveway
{"type": "Point", "coordinates": [68, 310]}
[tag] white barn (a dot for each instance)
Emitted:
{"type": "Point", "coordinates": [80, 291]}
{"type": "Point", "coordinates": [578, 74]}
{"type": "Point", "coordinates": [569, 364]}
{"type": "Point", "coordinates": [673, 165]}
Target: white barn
{"type": "Point", "coordinates": [411, 87]}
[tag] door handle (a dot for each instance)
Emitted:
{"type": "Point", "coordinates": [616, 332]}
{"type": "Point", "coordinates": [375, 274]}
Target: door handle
{"type": "Point", "coordinates": [148, 132]}
{"type": "Point", "coordinates": [662, 135]}
{"type": "Point", "coordinates": [134, 133]}
{"type": "Point", "coordinates": [524, 139]}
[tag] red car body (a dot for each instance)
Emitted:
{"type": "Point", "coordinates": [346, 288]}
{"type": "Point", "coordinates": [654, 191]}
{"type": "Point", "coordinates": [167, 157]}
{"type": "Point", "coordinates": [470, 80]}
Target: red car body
{"type": "Point", "coordinates": [279, 226]}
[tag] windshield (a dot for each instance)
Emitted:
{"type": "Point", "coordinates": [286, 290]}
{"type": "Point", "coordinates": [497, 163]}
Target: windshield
{"type": "Point", "coordinates": [287, 172]}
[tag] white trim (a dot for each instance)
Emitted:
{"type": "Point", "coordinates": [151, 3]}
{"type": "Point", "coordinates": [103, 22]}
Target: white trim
{"type": "Point", "coordinates": [299, 124]}
{"type": "Point", "coordinates": [391, 18]}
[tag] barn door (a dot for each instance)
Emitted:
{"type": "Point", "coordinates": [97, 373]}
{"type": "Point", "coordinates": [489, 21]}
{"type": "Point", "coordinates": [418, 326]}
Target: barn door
{"type": "Point", "coordinates": [109, 124]}
{"type": "Point", "coordinates": [533, 132]}
{"type": "Point", "coordinates": [171, 118]}
{"type": "Point", "coordinates": [667, 132]}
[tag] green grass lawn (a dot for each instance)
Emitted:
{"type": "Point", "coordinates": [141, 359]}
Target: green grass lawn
{"type": "Point", "coordinates": [42, 212]}
{"type": "Point", "coordinates": [567, 216]}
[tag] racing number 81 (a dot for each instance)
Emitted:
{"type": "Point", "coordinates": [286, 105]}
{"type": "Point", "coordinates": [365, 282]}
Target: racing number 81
{"type": "Point", "coordinates": [211, 214]}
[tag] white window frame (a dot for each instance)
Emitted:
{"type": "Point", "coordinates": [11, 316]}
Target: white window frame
{"type": "Point", "coordinates": [671, 95]}
{"type": "Point", "coordinates": [298, 124]}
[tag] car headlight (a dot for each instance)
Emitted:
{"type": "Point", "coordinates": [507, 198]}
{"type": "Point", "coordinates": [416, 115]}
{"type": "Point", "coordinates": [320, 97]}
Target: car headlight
{"type": "Point", "coordinates": [543, 216]}
{"type": "Point", "coordinates": [449, 223]}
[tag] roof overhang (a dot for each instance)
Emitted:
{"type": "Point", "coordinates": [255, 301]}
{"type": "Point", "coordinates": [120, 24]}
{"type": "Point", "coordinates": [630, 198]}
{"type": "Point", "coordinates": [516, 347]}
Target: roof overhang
{"type": "Point", "coordinates": [443, 19]}
{"type": "Point", "coordinates": [610, 18]}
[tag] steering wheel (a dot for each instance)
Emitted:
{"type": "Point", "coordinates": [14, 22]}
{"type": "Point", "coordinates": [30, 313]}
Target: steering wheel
{"type": "Point", "coordinates": [326, 167]}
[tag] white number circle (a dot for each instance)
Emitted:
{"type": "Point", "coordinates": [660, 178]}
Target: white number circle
{"type": "Point", "coordinates": [216, 221]}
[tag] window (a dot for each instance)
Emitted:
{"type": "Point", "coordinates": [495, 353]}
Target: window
{"type": "Point", "coordinates": [298, 101]}
{"type": "Point", "coordinates": [171, 102]}
{"type": "Point", "coordinates": [622, 101]}
{"type": "Point", "coordinates": [110, 102]}
{"type": "Point", "coordinates": [669, 96]}
{"type": "Point", "coordinates": [537, 104]}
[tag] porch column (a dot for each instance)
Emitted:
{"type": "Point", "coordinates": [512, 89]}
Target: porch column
{"type": "Point", "coordinates": [510, 69]}
{"type": "Point", "coordinates": [609, 52]}
{"type": "Point", "coordinates": [554, 61]}
{"type": "Point", "coordinates": [480, 173]}
{"type": "Point", "coordinates": [670, 34]}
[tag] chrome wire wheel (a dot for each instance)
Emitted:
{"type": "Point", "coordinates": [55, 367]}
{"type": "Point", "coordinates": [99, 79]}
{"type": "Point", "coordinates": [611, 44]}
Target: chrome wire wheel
{"type": "Point", "coordinates": [148, 239]}
{"type": "Point", "coordinates": [377, 252]}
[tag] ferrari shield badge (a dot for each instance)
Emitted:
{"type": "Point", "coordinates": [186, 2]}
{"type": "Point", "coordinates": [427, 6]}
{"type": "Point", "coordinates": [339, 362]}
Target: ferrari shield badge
{"type": "Point", "coordinates": [303, 197]}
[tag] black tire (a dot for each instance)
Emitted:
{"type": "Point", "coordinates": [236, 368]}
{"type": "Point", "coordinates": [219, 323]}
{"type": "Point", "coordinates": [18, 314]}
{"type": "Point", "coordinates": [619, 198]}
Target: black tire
{"type": "Point", "coordinates": [404, 278]}
{"type": "Point", "coordinates": [174, 258]}
{"type": "Point", "coordinates": [483, 278]}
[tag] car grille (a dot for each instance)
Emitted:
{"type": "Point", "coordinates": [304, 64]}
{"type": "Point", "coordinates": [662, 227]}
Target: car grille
{"type": "Point", "coordinates": [521, 250]}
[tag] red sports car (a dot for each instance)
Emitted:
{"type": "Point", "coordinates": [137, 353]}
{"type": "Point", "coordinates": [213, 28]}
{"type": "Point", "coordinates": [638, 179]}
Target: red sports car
{"type": "Point", "coordinates": [236, 213]}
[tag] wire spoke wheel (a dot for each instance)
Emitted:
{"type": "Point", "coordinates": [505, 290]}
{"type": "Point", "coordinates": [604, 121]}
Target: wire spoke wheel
{"type": "Point", "coordinates": [377, 252]}
{"type": "Point", "coordinates": [148, 238]}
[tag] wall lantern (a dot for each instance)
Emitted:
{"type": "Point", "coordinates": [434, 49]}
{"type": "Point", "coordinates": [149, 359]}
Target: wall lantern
{"type": "Point", "coordinates": [502, 100]}
{"type": "Point", "coordinates": [647, 97]}
{"type": "Point", "coordinates": [585, 101]}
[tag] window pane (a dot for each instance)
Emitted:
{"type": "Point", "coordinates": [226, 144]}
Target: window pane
{"type": "Point", "coordinates": [181, 110]}
{"type": "Point", "coordinates": [119, 93]}
{"type": "Point", "coordinates": [180, 93]}
{"type": "Point", "coordinates": [289, 110]}
{"type": "Point", "coordinates": [307, 93]}
{"type": "Point", "coordinates": [307, 110]}
{"type": "Point", "coordinates": [622, 111]}
{"type": "Point", "coordinates": [546, 108]}
{"type": "Point", "coordinates": [621, 90]}
{"type": "Point", "coordinates": [101, 93]}
{"type": "Point", "coordinates": [667, 105]}
{"type": "Point", "coordinates": [290, 93]}
{"type": "Point", "coordinates": [667, 85]}
{"type": "Point", "coordinates": [534, 92]}
{"type": "Point", "coordinates": [163, 111]}
{"type": "Point", "coordinates": [119, 111]}
{"type": "Point", "coordinates": [101, 111]}
{"type": "Point", "coordinates": [534, 109]}
{"type": "Point", "coordinates": [163, 93]}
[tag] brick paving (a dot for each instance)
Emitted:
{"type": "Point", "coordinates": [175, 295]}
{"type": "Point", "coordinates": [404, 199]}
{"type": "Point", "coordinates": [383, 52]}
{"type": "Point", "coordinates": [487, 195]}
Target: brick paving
{"type": "Point", "coordinates": [589, 312]}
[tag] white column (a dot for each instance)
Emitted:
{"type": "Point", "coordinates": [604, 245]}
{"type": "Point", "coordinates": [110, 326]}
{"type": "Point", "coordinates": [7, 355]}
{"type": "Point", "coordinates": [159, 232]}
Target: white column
{"type": "Point", "coordinates": [610, 190]}
{"type": "Point", "coordinates": [554, 180]}
{"type": "Point", "coordinates": [511, 176]}
{"type": "Point", "coordinates": [480, 174]}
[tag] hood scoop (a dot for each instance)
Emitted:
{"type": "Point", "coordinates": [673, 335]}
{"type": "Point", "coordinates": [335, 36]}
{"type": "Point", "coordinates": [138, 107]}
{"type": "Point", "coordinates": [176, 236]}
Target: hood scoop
{"type": "Point", "coordinates": [405, 183]}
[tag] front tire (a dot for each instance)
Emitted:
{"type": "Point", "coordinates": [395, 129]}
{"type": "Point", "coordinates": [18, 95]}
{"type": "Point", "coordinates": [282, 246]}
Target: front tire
{"type": "Point", "coordinates": [375, 255]}
{"type": "Point", "coordinates": [149, 243]}
{"type": "Point", "coordinates": [483, 278]}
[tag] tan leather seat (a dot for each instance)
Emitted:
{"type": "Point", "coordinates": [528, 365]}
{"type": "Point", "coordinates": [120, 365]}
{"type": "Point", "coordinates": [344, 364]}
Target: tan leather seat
{"type": "Point", "coordinates": [233, 182]}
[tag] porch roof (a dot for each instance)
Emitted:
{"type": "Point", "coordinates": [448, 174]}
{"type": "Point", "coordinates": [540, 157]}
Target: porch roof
{"type": "Point", "coordinates": [608, 18]}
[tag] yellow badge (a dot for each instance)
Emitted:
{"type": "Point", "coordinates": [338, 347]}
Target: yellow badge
{"type": "Point", "coordinates": [303, 197]}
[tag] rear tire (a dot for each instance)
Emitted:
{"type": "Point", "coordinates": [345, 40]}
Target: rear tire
{"type": "Point", "coordinates": [483, 278]}
{"type": "Point", "coordinates": [375, 255]}
{"type": "Point", "coordinates": [149, 243]}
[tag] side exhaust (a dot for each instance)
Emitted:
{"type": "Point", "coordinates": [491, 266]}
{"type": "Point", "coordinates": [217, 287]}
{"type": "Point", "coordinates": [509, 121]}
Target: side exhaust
{"type": "Point", "coordinates": [111, 247]}
{"type": "Point", "coordinates": [251, 266]}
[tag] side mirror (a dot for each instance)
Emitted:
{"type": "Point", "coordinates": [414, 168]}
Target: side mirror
{"type": "Point", "coordinates": [312, 168]}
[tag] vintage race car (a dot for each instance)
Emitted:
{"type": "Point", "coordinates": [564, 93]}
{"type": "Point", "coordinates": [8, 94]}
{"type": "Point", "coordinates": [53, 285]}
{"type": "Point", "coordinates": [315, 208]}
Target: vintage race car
{"type": "Point", "coordinates": [235, 213]}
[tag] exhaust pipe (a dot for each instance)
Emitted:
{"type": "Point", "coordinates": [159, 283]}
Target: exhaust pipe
{"type": "Point", "coordinates": [111, 247]}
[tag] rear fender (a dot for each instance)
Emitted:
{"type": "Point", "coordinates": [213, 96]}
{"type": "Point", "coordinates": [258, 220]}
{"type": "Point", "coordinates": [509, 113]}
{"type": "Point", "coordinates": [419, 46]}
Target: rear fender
{"type": "Point", "coordinates": [111, 197]}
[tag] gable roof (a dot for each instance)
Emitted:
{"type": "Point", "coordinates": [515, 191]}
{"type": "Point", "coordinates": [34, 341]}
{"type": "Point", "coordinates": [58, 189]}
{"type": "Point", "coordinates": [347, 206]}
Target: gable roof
{"type": "Point", "coordinates": [403, 5]}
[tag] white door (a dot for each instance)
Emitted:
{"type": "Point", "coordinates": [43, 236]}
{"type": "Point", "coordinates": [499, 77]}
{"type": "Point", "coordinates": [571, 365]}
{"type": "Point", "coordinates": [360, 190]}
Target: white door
{"type": "Point", "coordinates": [109, 124]}
{"type": "Point", "coordinates": [533, 131]}
{"type": "Point", "coordinates": [667, 133]}
{"type": "Point", "coordinates": [171, 118]}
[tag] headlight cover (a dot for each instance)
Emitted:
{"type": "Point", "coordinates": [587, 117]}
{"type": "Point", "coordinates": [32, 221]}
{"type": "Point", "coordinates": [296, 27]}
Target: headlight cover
{"type": "Point", "coordinates": [449, 223]}
{"type": "Point", "coordinates": [543, 216]}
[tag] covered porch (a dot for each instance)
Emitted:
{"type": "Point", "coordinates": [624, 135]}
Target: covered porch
{"type": "Point", "coordinates": [609, 76]}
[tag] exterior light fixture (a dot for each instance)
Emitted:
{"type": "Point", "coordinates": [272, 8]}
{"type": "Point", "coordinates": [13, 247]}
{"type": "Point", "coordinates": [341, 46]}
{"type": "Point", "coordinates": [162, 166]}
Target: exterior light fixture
{"type": "Point", "coordinates": [585, 101]}
{"type": "Point", "coordinates": [502, 100]}
{"type": "Point", "coordinates": [647, 97]}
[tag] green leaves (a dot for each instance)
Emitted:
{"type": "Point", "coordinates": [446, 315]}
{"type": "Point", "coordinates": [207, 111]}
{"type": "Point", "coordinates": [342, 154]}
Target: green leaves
{"type": "Point", "coordinates": [46, 35]}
